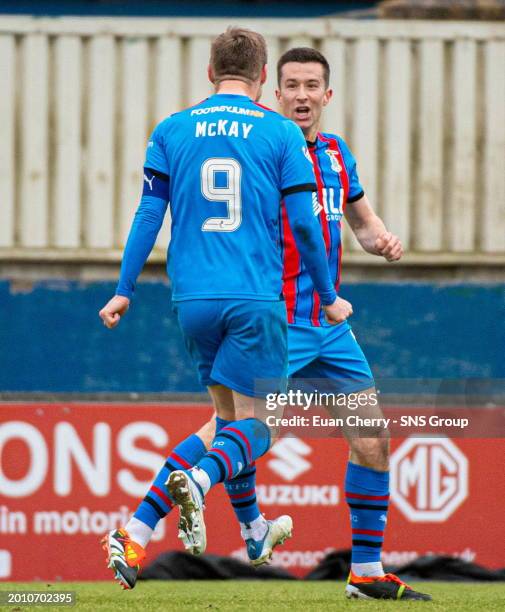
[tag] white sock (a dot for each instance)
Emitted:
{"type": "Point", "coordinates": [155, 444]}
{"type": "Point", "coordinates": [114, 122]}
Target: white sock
{"type": "Point", "coordinates": [255, 529]}
{"type": "Point", "coordinates": [368, 569]}
{"type": "Point", "coordinates": [202, 478]}
{"type": "Point", "coordinates": [139, 532]}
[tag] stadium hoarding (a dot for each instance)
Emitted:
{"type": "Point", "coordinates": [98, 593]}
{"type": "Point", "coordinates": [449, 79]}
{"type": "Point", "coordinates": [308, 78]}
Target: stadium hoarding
{"type": "Point", "coordinates": [71, 471]}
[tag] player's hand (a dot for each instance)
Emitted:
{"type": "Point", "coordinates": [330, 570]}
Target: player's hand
{"type": "Point", "coordinates": [112, 312]}
{"type": "Point", "coordinates": [338, 312]}
{"type": "Point", "coordinates": [389, 246]}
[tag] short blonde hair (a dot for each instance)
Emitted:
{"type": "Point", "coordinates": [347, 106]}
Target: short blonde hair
{"type": "Point", "coordinates": [238, 54]}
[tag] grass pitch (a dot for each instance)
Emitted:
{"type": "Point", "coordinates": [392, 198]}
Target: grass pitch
{"type": "Point", "coordinates": [252, 596]}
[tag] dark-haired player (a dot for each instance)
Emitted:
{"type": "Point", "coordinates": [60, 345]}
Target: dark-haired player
{"type": "Point", "coordinates": [331, 353]}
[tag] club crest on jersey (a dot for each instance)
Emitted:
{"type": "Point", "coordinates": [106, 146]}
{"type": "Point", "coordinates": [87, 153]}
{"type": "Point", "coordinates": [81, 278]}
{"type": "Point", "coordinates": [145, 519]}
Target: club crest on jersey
{"type": "Point", "coordinates": [335, 164]}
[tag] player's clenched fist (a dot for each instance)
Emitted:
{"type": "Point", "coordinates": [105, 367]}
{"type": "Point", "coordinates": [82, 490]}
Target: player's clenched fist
{"type": "Point", "coordinates": [389, 246]}
{"type": "Point", "coordinates": [112, 312]}
{"type": "Point", "coordinates": [337, 312]}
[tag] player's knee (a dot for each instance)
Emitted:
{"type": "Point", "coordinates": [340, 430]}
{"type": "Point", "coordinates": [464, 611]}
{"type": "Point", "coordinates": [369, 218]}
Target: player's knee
{"type": "Point", "coordinates": [207, 433]}
{"type": "Point", "coordinates": [371, 452]}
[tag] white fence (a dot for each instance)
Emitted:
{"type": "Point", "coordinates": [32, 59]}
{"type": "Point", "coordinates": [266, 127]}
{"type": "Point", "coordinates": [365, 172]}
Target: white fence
{"type": "Point", "coordinates": [422, 105]}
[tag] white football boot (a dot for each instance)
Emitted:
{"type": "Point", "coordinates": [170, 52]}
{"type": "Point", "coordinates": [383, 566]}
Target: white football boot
{"type": "Point", "coordinates": [260, 551]}
{"type": "Point", "coordinates": [188, 497]}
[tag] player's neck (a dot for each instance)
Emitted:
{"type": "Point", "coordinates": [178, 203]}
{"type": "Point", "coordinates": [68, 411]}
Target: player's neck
{"type": "Point", "coordinates": [311, 133]}
{"type": "Point", "coordinates": [237, 88]}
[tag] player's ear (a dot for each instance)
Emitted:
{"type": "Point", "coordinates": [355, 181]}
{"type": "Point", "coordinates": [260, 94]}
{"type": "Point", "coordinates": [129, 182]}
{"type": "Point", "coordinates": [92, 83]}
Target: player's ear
{"type": "Point", "coordinates": [263, 75]}
{"type": "Point", "coordinates": [210, 73]}
{"type": "Point", "coordinates": [278, 95]}
{"type": "Point", "coordinates": [328, 94]}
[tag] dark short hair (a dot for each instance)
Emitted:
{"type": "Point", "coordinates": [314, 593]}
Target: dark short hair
{"type": "Point", "coordinates": [304, 55]}
{"type": "Point", "coordinates": [238, 54]}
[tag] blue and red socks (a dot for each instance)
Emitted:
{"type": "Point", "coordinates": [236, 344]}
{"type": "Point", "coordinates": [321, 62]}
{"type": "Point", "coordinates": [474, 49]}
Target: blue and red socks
{"type": "Point", "coordinates": [157, 503]}
{"type": "Point", "coordinates": [241, 491]}
{"type": "Point", "coordinates": [233, 454]}
{"type": "Point", "coordinates": [367, 495]}
{"type": "Point", "coordinates": [236, 446]}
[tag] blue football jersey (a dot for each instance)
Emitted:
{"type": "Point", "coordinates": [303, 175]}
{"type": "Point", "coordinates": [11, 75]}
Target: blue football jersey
{"type": "Point", "coordinates": [229, 161]}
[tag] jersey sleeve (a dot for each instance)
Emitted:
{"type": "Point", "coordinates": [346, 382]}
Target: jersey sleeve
{"type": "Point", "coordinates": [309, 241]}
{"type": "Point", "coordinates": [297, 171]}
{"type": "Point", "coordinates": [356, 191]}
{"type": "Point", "coordinates": [156, 153]}
{"type": "Point", "coordinates": [143, 233]}
{"type": "Point", "coordinates": [150, 213]}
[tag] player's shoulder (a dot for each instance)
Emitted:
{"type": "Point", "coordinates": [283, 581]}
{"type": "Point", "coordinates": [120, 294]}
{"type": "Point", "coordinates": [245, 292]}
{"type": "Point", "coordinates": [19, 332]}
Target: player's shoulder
{"type": "Point", "coordinates": [164, 124]}
{"type": "Point", "coordinates": [272, 114]}
{"type": "Point", "coordinates": [188, 110]}
{"type": "Point", "coordinates": [162, 129]}
{"type": "Point", "coordinates": [283, 130]}
{"type": "Point", "coordinates": [170, 124]}
{"type": "Point", "coordinates": [178, 116]}
{"type": "Point", "coordinates": [288, 128]}
{"type": "Point", "coordinates": [269, 112]}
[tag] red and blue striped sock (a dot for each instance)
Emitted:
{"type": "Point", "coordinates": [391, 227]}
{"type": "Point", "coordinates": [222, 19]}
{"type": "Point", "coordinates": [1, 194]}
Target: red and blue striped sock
{"type": "Point", "coordinates": [235, 447]}
{"type": "Point", "coordinates": [367, 495]}
{"type": "Point", "coordinates": [241, 489]}
{"type": "Point", "coordinates": [242, 493]}
{"type": "Point", "coordinates": [157, 503]}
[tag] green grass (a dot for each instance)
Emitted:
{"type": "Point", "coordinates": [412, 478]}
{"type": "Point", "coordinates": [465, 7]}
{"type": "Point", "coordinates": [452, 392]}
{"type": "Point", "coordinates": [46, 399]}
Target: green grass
{"type": "Point", "coordinates": [258, 595]}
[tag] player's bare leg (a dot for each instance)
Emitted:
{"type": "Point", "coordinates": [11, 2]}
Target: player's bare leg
{"type": "Point", "coordinates": [224, 402]}
{"type": "Point", "coordinates": [255, 408]}
{"type": "Point", "coordinates": [369, 447]}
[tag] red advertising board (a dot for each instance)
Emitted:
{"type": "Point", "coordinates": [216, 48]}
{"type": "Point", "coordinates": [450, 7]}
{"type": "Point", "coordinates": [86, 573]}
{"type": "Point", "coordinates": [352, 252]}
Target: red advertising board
{"type": "Point", "coordinates": [70, 472]}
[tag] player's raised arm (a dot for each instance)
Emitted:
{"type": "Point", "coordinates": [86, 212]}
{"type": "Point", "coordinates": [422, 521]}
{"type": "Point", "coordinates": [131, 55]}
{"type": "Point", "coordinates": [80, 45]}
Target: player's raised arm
{"type": "Point", "coordinates": [302, 209]}
{"type": "Point", "coordinates": [144, 230]}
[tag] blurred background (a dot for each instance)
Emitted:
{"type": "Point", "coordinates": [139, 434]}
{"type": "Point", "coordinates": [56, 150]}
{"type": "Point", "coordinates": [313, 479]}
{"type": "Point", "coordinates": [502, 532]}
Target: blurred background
{"type": "Point", "coordinates": [419, 97]}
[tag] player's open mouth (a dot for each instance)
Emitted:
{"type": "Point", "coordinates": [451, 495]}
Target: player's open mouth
{"type": "Point", "coordinates": [302, 112]}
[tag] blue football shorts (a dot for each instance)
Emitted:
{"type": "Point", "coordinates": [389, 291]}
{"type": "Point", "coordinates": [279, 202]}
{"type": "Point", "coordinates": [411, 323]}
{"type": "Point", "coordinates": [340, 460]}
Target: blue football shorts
{"type": "Point", "coordinates": [241, 344]}
{"type": "Point", "coordinates": [331, 353]}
